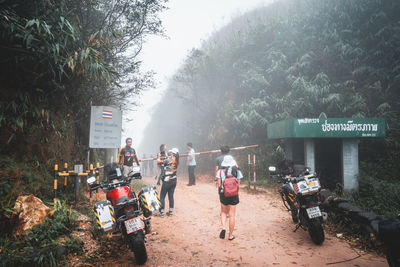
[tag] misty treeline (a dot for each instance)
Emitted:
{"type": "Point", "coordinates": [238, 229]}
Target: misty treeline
{"type": "Point", "coordinates": [58, 58]}
{"type": "Point", "coordinates": [289, 59]}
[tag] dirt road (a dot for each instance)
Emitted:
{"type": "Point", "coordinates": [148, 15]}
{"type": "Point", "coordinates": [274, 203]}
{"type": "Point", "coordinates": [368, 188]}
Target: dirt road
{"type": "Point", "coordinates": [264, 235]}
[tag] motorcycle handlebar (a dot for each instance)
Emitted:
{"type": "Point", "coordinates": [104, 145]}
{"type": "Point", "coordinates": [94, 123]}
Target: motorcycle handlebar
{"type": "Point", "coordinates": [117, 184]}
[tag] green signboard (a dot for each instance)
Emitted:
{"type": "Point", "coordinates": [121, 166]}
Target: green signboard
{"type": "Point", "coordinates": [327, 127]}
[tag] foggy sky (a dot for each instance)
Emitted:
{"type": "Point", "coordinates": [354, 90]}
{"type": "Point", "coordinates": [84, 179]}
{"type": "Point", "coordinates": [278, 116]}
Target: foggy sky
{"type": "Point", "coordinates": [187, 23]}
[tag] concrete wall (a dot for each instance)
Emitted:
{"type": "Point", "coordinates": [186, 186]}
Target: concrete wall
{"type": "Point", "coordinates": [309, 154]}
{"type": "Point", "coordinates": [289, 149]}
{"type": "Point", "coordinates": [350, 163]}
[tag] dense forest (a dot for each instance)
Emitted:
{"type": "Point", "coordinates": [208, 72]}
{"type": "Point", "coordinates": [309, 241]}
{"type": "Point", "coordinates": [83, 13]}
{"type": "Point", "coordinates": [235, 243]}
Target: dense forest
{"type": "Point", "coordinates": [291, 59]}
{"type": "Point", "coordinates": [57, 59]}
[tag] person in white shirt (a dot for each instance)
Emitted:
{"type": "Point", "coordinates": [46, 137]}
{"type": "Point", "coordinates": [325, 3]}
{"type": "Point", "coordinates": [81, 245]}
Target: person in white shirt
{"type": "Point", "coordinates": [191, 163]}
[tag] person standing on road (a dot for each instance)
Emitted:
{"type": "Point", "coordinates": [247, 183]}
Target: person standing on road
{"type": "Point", "coordinates": [191, 163]}
{"type": "Point", "coordinates": [169, 181]}
{"type": "Point", "coordinates": [144, 166]}
{"type": "Point", "coordinates": [225, 165]}
{"type": "Point", "coordinates": [127, 157]}
{"type": "Point", "coordinates": [161, 156]}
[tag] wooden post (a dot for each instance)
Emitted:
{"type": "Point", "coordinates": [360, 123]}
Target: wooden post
{"type": "Point", "coordinates": [254, 170]}
{"type": "Point", "coordinates": [55, 183]}
{"type": "Point", "coordinates": [77, 180]}
{"type": "Point", "coordinates": [249, 164]}
{"type": "Point", "coordinates": [65, 177]}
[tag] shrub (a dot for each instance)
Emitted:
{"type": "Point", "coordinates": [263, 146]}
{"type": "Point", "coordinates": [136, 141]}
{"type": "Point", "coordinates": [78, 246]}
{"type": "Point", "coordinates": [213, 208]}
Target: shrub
{"type": "Point", "coordinates": [44, 243]}
{"type": "Point", "coordinates": [376, 195]}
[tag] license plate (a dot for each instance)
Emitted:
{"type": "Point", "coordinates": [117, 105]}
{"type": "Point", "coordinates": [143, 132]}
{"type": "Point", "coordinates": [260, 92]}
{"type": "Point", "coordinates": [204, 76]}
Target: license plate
{"type": "Point", "coordinates": [133, 225]}
{"type": "Point", "coordinates": [313, 212]}
{"type": "Point", "coordinates": [311, 184]}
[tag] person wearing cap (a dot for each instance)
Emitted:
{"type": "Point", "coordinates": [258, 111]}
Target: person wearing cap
{"type": "Point", "coordinates": [127, 157]}
{"type": "Point", "coordinates": [224, 164]}
{"type": "Point", "coordinates": [169, 181]}
{"type": "Point", "coordinates": [191, 163]}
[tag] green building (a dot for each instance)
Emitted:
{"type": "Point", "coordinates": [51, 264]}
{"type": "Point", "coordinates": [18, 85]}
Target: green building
{"type": "Point", "coordinates": [328, 146]}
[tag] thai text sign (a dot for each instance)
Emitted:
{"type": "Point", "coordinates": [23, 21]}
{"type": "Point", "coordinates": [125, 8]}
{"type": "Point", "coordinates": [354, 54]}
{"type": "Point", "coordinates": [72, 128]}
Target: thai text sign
{"type": "Point", "coordinates": [330, 127]}
{"type": "Point", "coordinates": [105, 127]}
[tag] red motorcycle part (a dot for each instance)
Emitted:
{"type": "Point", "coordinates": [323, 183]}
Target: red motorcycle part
{"type": "Point", "coordinates": [115, 194]}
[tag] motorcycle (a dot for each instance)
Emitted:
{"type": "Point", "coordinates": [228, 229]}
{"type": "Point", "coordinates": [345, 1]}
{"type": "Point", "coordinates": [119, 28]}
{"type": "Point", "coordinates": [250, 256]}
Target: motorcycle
{"type": "Point", "coordinates": [124, 211]}
{"type": "Point", "coordinates": [301, 196]}
{"type": "Point", "coordinates": [389, 233]}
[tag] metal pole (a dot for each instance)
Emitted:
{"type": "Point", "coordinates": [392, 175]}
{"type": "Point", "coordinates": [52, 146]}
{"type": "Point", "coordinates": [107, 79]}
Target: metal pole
{"type": "Point", "coordinates": [98, 180]}
{"type": "Point", "coordinates": [209, 152]}
{"type": "Point", "coordinates": [254, 170]}
{"type": "Point", "coordinates": [88, 158]}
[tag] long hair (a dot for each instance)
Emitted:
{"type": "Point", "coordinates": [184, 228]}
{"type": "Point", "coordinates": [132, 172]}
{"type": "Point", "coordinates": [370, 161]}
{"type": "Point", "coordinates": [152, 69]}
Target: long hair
{"type": "Point", "coordinates": [162, 147]}
{"type": "Point", "coordinates": [176, 159]}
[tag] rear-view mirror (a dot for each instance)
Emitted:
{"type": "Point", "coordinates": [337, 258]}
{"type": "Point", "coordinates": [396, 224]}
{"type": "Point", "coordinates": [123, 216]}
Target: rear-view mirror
{"type": "Point", "coordinates": [272, 169]}
{"type": "Point", "coordinates": [91, 180]}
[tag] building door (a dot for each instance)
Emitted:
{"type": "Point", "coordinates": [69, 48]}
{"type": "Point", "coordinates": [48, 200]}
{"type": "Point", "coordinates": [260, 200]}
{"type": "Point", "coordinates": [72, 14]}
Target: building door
{"type": "Point", "coordinates": [328, 161]}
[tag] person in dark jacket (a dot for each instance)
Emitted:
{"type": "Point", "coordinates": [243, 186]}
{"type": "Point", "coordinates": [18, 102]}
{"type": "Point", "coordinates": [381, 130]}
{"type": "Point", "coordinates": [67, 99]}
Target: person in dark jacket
{"type": "Point", "coordinates": [127, 157]}
{"type": "Point", "coordinates": [169, 180]}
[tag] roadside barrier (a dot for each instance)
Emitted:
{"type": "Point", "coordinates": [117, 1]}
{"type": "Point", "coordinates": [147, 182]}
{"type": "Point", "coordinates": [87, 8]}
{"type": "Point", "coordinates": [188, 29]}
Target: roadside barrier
{"type": "Point", "coordinates": [76, 175]}
{"type": "Point", "coordinates": [251, 160]}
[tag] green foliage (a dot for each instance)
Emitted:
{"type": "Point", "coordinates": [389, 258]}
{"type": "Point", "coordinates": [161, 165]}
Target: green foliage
{"type": "Point", "coordinates": [18, 177]}
{"type": "Point", "coordinates": [43, 244]}
{"type": "Point", "coordinates": [292, 59]}
{"type": "Point", "coordinates": [371, 192]}
{"type": "Point", "coordinates": [59, 57]}
{"type": "Point", "coordinates": [289, 59]}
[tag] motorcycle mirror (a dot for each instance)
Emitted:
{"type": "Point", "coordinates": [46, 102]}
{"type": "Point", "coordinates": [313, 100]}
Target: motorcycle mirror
{"type": "Point", "coordinates": [91, 180]}
{"type": "Point", "coordinates": [272, 169]}
{"type": "Point", "coordinates": [119, 173]}
{"type": "Point", "coordinates": [136, 169]}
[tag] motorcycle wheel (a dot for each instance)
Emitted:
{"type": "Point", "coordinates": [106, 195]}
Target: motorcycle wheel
{"type": "Point", "coordinates": [392, 257]}
{"type": "Point", "coordinates": [139, 248]}
{"type": "Point", "coordinates": [294, 213]}
{"type": "Point", "coordinates": [293, 210]}
{"type": "Point", "coordinates": [316, 231]}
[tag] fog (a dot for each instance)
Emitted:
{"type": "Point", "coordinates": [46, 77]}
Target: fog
{"type": "Point", "coordinates": [187, 24]}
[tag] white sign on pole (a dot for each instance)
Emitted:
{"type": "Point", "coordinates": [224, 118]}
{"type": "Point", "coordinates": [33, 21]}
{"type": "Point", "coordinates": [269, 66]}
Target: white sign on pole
{"type": "Point", "coordinates": [105, 127]}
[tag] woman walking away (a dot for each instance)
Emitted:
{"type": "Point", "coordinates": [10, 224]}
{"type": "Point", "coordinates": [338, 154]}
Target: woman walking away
{"type": "Point", "coordinates": [228, 179]}
{"type": "Point", "coordinates": [161, 156]}
{"type": "Point", "coordinates": [169, 181]}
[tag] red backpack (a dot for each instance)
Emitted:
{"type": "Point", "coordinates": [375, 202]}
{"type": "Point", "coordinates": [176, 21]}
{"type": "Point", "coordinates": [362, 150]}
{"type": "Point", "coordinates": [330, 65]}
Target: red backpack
{"type": "Point", "coordinates": [230, 185]}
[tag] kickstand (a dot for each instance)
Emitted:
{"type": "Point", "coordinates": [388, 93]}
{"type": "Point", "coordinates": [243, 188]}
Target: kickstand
{"type": "Point", "coordinates": [297, 227]}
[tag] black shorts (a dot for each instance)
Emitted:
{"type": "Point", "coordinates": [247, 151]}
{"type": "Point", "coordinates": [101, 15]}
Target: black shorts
{"type": "Point", "coordinates": [228, 200]}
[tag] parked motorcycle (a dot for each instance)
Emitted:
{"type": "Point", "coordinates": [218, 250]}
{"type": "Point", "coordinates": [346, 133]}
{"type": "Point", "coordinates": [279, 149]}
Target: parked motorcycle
{"type": "Point", "coordinates": [124, 211]}
{"type": "Point", "coordinates": [389, 233]}
{"type": "Point", "coordinates": [301, 196]}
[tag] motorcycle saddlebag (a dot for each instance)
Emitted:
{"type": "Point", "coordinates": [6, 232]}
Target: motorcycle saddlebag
{"type": "Point", "coordinates": [389, 232]}
{"type": "Point", "coordinates": [104, 213]}
{"type": "Point", "coordinates": [150, 199]}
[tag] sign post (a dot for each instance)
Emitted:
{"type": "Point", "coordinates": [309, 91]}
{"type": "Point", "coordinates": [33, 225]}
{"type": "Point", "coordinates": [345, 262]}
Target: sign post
{"type": "Point", "coordinates": [105, 127]}
{"type": "Point", "coordinates": [105, 130]}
